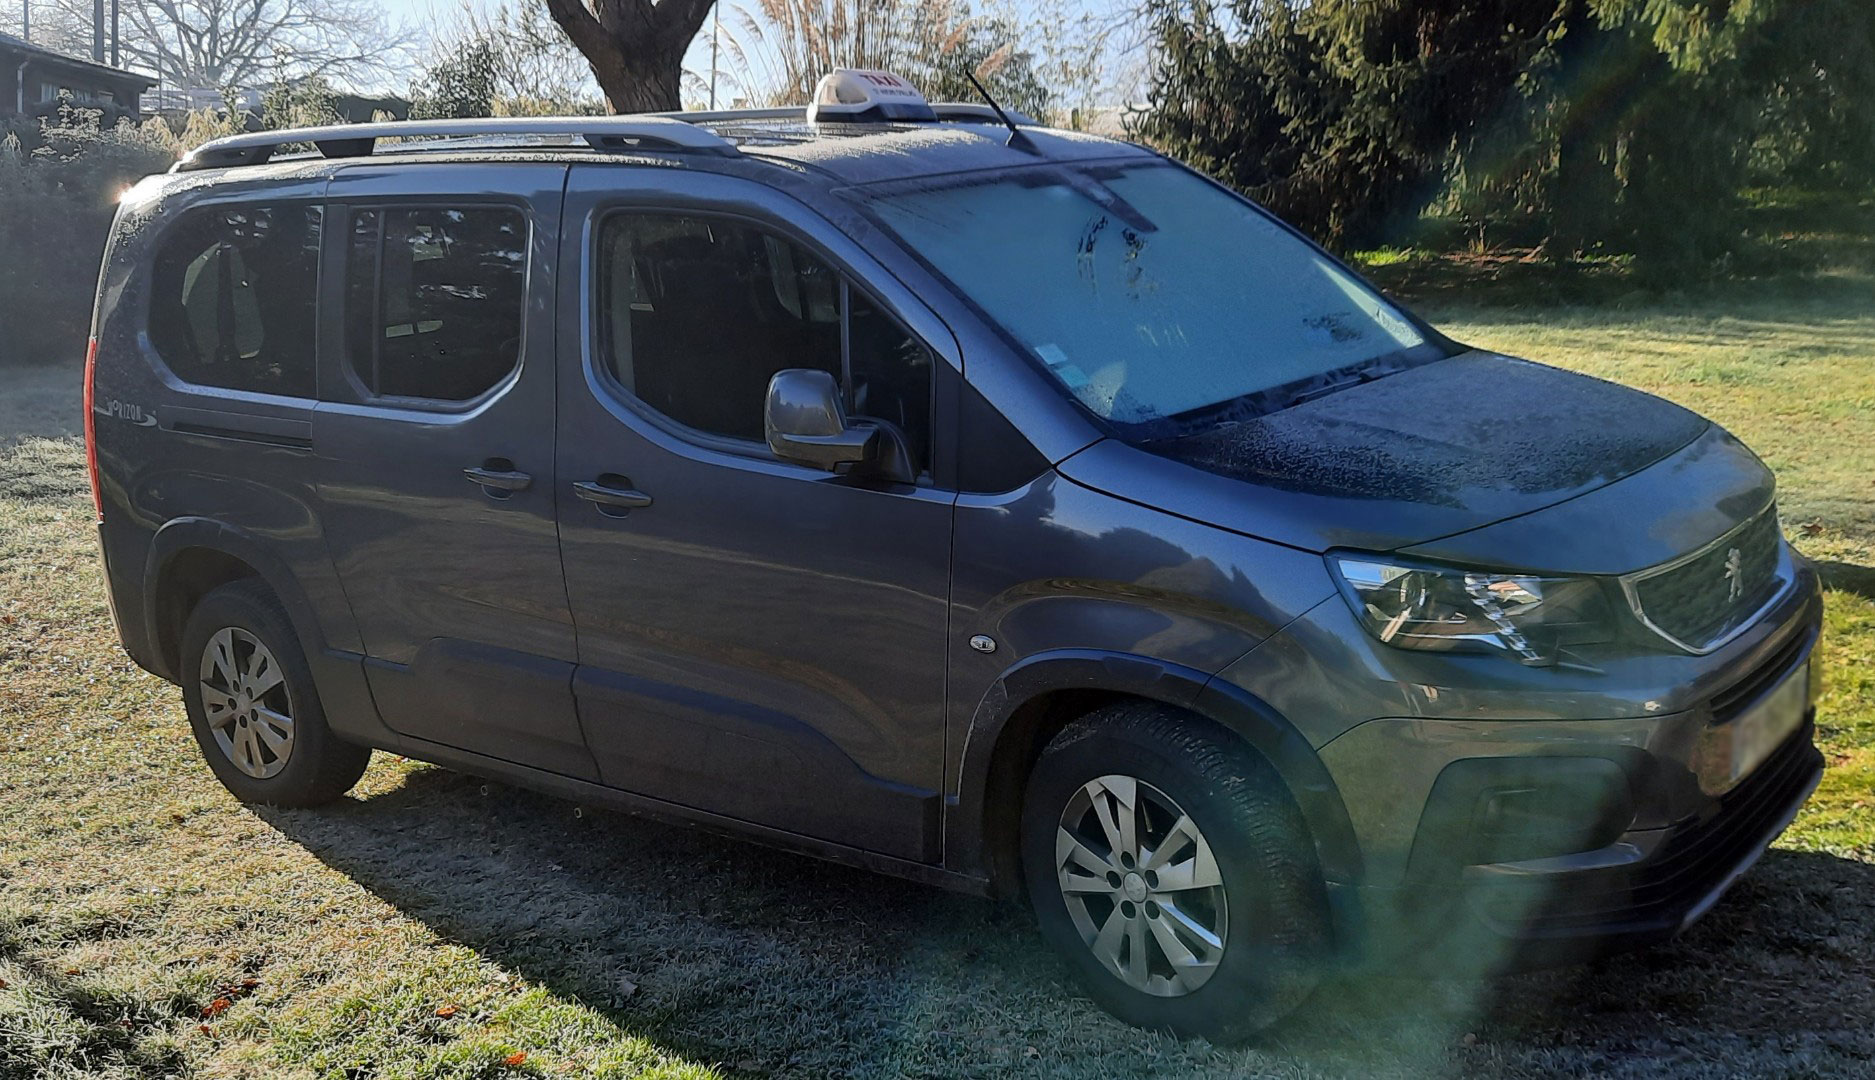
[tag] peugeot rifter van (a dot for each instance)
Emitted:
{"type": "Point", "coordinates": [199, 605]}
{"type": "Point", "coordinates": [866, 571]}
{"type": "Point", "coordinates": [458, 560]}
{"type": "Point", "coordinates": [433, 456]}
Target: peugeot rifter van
{"type": "Point", "coordinates": [917, 487]}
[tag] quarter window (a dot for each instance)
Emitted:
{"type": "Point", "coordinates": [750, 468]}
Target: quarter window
{"type": "Point", "coordinates": [698, 314]}
{"type": "Point", "coordinates": [231, 303]}
{"type": "Point", "coordinates": [434, 300]}
{"type": "Point", "coordinates": [889, 375]}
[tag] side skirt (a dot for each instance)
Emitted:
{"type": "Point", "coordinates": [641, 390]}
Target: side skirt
{"type": "Point", "coordinates": [670, 813]}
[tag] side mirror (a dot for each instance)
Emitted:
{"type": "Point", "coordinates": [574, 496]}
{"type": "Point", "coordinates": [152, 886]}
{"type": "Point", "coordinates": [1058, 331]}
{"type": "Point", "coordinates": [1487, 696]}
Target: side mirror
{"type": "Point", "coordinates": [806, 423]}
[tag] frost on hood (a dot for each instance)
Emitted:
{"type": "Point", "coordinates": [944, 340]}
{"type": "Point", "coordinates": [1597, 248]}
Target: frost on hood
{"type": "Point", "coordinates": [1452, 433]}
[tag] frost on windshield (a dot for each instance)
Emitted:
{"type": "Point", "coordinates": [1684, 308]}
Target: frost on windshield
{"type": "Point", "coordinates": [1146, 291]}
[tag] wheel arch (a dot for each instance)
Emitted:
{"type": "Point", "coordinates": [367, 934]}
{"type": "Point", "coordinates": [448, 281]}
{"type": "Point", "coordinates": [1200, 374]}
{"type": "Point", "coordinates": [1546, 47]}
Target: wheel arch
{"type": "Point", "coordinates": [1035, 698]}
{"type": "Point", "coordinates": [188, 558]}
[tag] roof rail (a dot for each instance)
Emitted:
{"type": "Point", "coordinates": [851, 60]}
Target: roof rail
{"type": "Point", "coordinates": [360, 140]}
{"type": "Point", "coordinates": [968, 112]}
{"type": "Point", "coordinates": [718, 116]}
{"type": "Point", "coordinates": [644, 131]}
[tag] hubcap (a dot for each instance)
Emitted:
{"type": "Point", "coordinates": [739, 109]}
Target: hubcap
{"type": "Point", "coordinates": [1141, 885]}
{"type": "Point", "coordinates": [244, 695]}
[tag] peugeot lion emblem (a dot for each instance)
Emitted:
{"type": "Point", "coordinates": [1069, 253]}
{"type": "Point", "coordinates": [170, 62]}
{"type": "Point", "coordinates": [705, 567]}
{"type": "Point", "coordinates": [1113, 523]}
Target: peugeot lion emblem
{"type": "Point", "coordinates": [1734, 575]}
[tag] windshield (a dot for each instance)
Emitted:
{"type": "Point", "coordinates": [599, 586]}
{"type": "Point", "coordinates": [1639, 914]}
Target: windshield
{"type": "Point", "coordinates": [1157, 299]}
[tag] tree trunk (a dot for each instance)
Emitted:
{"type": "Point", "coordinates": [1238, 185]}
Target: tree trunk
{"type": "Point", "coordinates": [635, 47]}
{"type": "Point", "coordinates": [646, 82]}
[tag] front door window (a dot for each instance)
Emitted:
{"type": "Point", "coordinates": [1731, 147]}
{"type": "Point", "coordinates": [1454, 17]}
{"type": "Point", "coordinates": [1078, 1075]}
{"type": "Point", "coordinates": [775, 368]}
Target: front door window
{"type": "Point", "coordinates": [698, 313]}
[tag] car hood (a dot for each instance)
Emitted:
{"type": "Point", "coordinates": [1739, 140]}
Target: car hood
{"type": "Point", "coordinates": [1429, 453]}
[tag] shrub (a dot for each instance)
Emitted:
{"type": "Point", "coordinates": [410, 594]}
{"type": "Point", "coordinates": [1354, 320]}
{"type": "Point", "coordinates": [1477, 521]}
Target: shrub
{"type": "Point", "coordinates": [60, 180]}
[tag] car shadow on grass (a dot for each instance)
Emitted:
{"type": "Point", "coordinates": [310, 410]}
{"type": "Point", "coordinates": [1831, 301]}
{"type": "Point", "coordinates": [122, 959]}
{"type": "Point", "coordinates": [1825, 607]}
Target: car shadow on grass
{"type": "Point", "coordinates": [1849, 577]}
{"type": "Point", "coordinates": [722, 951]}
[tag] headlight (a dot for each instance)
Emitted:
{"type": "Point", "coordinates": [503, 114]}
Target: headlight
{"type": "Point", "coordinates": [1451, 609]}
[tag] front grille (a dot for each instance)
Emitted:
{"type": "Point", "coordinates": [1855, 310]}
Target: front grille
{"type": "Point", "coordinates": [1686, 868]}
{"type": "Point", "coordinates": [1698, 602]}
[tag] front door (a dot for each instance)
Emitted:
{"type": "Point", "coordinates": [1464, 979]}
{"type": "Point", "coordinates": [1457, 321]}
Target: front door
{"type": "Point", "coordinates": [436, 453]}
{"type": "Point", "coordinates": [757, 639]}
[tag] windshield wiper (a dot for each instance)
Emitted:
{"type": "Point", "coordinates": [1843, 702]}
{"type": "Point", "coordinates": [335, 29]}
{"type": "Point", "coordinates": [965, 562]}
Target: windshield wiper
{"type": "Point", "coordinates": [1327, 388]}
{"type": "Point", "coordinates": [1365, 372]}
{"type": "Point", "coordinates": [1109, 200]}
{"type": "Point", "coordinates": [1275, 399]}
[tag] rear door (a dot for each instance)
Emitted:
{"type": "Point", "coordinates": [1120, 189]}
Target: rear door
{"type": "Point", "coordinates": [436, 453]}
{"type": "Point", "coordinates": [757, 639]}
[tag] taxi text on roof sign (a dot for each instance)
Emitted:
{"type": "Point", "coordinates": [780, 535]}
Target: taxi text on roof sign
{"type": "Point", "coordinates": [855, 95]}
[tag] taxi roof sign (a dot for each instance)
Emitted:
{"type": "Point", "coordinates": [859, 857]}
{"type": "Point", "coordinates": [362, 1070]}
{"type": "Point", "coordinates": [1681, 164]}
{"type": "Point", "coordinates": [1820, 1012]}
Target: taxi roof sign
{"type": "Point", "coordinates": [856, 95]}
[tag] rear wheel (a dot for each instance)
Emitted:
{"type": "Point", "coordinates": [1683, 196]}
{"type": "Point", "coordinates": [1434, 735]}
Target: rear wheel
{"type": "Point", "coordinates": [253, 706]}
{"type": "Point", "coordinates": [1167, 862]}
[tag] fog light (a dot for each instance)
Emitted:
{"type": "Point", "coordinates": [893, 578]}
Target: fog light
{"type": "Point", "coordinates": [1492, 810]}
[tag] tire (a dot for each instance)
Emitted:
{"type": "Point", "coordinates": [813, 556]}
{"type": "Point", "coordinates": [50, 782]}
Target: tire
{"type": "Point", "coordinates": [252, 753]}
{"type": "Point", "coordinates": [1267, 911]}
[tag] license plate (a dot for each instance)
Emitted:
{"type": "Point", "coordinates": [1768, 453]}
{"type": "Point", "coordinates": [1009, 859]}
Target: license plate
{"type": "Point", "coordinates": [1765, 726]}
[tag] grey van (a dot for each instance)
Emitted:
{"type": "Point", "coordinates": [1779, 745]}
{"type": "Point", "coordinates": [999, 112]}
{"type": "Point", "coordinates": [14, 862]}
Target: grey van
{"type": "Point", "coordinates": [1005, 508]}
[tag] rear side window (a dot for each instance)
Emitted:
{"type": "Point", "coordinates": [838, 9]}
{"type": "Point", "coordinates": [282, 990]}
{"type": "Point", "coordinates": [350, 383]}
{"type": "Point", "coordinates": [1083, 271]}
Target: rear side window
{"type": "Point", "coordinates": [232, 297]}
{"type": "Point", "coordinates": [434, 300]}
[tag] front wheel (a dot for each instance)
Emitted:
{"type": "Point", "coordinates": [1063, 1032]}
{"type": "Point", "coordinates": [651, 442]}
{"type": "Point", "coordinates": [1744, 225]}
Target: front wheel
{"type": "Point", "coordinates": [253, 706]}
{"type": "Point", "coordinates": [1168, 863]}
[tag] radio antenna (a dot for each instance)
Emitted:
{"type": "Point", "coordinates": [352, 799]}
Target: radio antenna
{"type": "Point", "coordinates": [1017, 140]}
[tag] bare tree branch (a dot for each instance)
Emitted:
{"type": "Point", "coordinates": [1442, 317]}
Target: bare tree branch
{"type": "Point", "coordinates": [682, 19]}
{"type": "Point", "coordinates": [532, 65]}
{"type": "Point", "coordinates": [580, 25]}
{"type": "Point", "coordinates": [242, 43]}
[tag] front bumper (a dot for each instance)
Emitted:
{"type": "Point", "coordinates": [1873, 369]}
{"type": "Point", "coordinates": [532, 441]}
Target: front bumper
{"type": "Point", "coordinates": [1634, 742]}
{"type": "Point", "coordinates": [1644, 888]}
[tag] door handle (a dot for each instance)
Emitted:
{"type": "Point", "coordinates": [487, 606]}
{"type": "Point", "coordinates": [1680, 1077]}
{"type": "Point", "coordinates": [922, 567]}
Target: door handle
{"type": "Point", "coordinates": [498, 479]}
{"type": "Point", "coordinates": [618, 494]}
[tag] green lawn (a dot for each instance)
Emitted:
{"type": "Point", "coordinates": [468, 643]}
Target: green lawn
{"type": "Point", "coordinates": [432, 925]}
